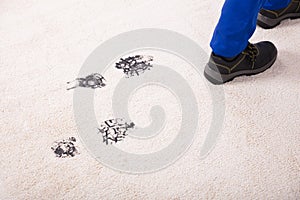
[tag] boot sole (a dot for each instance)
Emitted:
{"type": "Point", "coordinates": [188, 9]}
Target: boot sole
{"type": "Point", "coordinates": [268, 23]}
{"type": "Point", "coordinates": [217, 78]}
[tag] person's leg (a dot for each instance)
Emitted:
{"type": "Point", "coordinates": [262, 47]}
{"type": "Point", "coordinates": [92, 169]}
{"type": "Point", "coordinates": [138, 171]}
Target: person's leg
{"type": "Point", "coordinates": [232, 54]}
{"type": "Point", "coordinates": [275, 4]}
{"type": "Point", "coordinates": [236, 25]}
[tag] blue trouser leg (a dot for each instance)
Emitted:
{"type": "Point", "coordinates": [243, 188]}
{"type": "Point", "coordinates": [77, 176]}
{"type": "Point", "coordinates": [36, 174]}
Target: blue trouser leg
{"type": "Point", "coordinates": [238, 23]}
{"type": "Point", "coordinates": [276, 4]}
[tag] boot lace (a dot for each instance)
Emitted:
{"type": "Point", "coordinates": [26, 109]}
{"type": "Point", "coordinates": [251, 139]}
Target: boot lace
{"type": "Point", "coordinates": [252, 52]}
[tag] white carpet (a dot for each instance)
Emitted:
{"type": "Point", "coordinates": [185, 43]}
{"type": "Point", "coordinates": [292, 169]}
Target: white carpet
{"type": "Point", "coordinates": [43, 44]}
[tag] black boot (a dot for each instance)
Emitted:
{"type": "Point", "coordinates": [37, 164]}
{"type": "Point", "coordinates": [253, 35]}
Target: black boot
{"type": "Point", "coordinates": [255, 59]}
{"type": "Point", "coordinates": [270, 18]}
